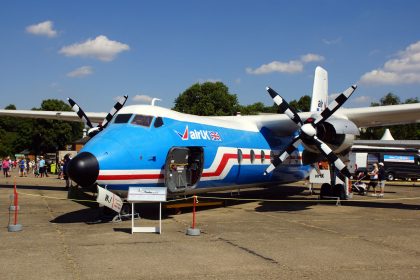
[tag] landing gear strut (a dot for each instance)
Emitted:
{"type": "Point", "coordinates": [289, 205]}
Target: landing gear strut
{"type": "Point", "coordinates": [333, 189]}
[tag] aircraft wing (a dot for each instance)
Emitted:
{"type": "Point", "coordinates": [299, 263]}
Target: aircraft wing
{"type": "Point", "coordinates": [362, 117]}
{"type": "Point", "coordinates": [52, 115]}
{"type": "Point", "coordinates": [383, 115]}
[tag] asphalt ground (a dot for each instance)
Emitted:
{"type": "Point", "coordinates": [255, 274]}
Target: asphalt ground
{"type": "Point", "coordinates": [294, 236]}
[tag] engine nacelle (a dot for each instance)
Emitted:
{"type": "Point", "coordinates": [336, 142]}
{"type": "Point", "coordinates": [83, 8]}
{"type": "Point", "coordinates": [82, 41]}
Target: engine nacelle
{"type": "Point", "coordinates": [338, 134]}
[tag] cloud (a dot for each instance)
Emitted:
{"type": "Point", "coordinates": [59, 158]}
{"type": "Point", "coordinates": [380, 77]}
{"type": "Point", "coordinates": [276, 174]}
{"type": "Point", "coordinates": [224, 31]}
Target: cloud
{"type": "Point", "coordinates": [311, 57]}
{"type": "Point", "coordinates": [361, 99]}
{"type": "Point", "coordinates": [81, 72]}
{"type": "Point", "coordinates": [293, 66]}
{"type": "Point", "coordinates": [332, 42]}
{"type": "Point", "coordinates": [403, 69]}
{"type": "Point", "coordinates": [100, 48]}
{"type": "Point", "coordinates": [42, 29]}
{"type": "Point", "coordinates": [141, 98]}
{"type": "Point", "coordinates": [209, 80]}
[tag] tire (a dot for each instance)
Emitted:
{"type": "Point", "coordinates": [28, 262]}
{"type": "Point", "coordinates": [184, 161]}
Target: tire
{"type": "Point", "coordinates": [339, 191]}
{"type": "Point", "coordinates": [326, 190]}
{"type": "Point", "coordinates": [390, 176]}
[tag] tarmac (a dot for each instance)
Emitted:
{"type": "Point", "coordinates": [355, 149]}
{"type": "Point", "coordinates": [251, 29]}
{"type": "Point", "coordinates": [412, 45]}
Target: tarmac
{"type": "Point", "coordinates": [284, 234]}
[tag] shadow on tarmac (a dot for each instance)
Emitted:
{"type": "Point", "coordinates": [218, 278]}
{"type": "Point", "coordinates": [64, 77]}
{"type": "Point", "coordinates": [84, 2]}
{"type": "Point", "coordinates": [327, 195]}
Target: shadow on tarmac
{"type": "Point", "coordinates": [150, 211]}
{"type": "Point", "coordinates": [41, 188]}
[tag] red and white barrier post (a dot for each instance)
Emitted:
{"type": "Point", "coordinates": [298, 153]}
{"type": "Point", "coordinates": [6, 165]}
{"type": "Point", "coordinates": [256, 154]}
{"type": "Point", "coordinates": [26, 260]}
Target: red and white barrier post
{"type": "Point", "coordinates": [193, 231]}
{"type": "Point", "coordinates": [14, 208]}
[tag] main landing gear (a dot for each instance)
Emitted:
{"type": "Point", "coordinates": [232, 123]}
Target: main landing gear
{"type": "Point", "coordinates": [334, 189]}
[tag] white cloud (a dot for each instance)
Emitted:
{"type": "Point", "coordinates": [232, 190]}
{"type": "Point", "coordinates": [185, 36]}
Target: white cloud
{"type": "Point", "coordinates": [141, 98]}
{"type": "Point", "coordinates": [311, 57]}
{"type": "Point", "coordinates": [100, 48]}
{"type": "Point", "coordinates": [293, 66]}
{"type": "Point", "coordinates": [42, 29]}
{"type": "Point", "coordinates": [80, 72]}
{"type": "Point", "coordinates": [404, 69]}
{"type": "Point", "coordinates": [361, 99]}
{"type": "Point", "coordinates": [209, 80]}
{"type": "Point", "coordinates": [332, 42]}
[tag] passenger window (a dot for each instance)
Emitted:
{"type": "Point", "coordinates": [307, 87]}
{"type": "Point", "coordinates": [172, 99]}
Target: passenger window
{"type": "Point", "coordinates": [252, 156]}
{"type": "Point", "coordinates": [239, 156]}
{"type": "Point", "coordinates": [262, 156]}
{"type": "Point", "coordinates": [142, 120]}
{"type": "Point", "coordinates": [122, 118]}
{"type": "Point", "coordinates": [158, 122]}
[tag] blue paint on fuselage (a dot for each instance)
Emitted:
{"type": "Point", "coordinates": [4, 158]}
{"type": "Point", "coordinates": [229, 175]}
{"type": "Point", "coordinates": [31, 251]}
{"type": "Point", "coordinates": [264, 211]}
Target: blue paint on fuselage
{"type": "Point", "coordinates": [132, 147]}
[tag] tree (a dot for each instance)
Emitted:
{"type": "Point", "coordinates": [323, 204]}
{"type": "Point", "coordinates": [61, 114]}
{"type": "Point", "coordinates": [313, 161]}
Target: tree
{"type": "Point", "coordinates": [55, 134]}
{"type": "Point", "coordinates": [257, 108]}
{"type": "Point", "coordinates": [207, 99]}
{"type": "Point", "coordinates": [303, 105]}
{"type": "Point", "coordinates": [37, 135]}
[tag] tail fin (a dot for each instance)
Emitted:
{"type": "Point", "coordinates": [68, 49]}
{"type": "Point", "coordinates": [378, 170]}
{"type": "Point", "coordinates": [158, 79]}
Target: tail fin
{"type": "Point", "coordinates": [320, 91]}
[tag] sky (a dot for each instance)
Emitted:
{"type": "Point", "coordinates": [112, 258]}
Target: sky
{"type": "Point", "coordinates": [95, 51]}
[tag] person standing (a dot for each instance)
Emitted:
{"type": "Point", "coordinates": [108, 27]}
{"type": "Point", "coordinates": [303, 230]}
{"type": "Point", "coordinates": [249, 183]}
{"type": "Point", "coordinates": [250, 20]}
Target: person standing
{"type": "Point", "coordinates": [66, 161]}
{"type": "Point", "coordinates": [42, 167]}
{"type": "Point", "coordinates": [373, 179]}
{"type": "Point", "coordinates": [22, 167]}
{"type": "Point", "coordinates": [5, 165]}
{"type": "Point", "coordinates": [381, 178]}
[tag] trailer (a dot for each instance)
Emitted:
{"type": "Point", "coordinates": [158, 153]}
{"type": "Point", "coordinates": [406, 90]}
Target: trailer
{"type": "Point", "coordinates": [399, 163]}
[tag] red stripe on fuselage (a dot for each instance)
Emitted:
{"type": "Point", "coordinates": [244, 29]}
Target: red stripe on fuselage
{"type": "Point", "coordinates": [219, 170]}
{"type": "Point", "coordinates": [222, 165]}
{"type": "Point", "coordinates": [130, 177]}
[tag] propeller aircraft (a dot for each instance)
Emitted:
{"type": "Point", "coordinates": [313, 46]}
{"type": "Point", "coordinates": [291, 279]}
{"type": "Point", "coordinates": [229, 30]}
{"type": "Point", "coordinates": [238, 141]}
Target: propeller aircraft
{"type": "Point", "coordinates": [147, 145]}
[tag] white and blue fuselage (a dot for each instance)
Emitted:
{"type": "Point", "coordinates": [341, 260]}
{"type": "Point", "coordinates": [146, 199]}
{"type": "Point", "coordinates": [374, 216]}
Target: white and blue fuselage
{"type": "Point", "coordinates": [230, 154]}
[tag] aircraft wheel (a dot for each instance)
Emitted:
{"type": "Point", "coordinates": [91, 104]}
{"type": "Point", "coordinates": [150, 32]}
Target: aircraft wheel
{"type": "Point", "coordinates": [326, 190]}
{"type": "Point", "coordinates": [339, 191]}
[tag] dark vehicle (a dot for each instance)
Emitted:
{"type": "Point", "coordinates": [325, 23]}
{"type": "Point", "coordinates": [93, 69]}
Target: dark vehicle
{"type": "Point", "coordinates": [399, 163]}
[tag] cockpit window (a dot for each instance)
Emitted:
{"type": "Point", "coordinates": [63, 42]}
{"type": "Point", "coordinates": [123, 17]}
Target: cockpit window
{"type": "Point", "coordinates": [122, 118]}
{"type": "Point", "coordinates": [142, 120]}
{"type": "Point", "coordinates": [158, 122]}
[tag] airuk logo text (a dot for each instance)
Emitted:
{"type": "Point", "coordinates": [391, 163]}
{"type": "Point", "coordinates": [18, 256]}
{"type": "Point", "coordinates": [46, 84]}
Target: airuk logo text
{"type": "Point", "coordinates": [199, 134]}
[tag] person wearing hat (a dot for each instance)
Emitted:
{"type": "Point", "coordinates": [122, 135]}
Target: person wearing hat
{"type": "Point", "coordinates": [373, 179]}
{"type": "Point", "coordinates": [381, 178]}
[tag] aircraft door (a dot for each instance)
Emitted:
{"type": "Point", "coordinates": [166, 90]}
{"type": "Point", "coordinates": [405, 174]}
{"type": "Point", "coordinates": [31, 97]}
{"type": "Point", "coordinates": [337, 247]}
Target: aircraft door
{"type": "Point", "coordinates": [183, 168]}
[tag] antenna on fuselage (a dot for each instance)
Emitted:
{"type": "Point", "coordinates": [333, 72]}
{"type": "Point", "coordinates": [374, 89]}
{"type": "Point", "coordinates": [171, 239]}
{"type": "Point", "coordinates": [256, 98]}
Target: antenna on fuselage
{"type": "Point", "coordinates": [154, 100]}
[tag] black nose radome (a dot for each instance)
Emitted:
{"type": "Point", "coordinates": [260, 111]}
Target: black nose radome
{"type": "Point", "coordinates": [84, 169]}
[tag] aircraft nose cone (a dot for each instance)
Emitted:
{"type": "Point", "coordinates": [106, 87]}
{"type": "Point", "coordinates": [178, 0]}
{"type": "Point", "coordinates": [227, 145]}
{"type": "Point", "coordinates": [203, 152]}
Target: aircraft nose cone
{"type": "Point", "coordinates": [84, 169]}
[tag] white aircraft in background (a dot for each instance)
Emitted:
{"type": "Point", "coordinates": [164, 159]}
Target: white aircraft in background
{"type": "Point", "coordinates": [145, 145]}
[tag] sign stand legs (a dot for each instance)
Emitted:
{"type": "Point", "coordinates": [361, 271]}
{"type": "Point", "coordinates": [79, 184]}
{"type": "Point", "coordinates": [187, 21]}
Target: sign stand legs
{"type": "Point", "coordinates": [146, 229]}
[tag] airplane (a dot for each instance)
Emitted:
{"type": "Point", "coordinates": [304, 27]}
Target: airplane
{"type": "Point", "coordinates": [148, 145]}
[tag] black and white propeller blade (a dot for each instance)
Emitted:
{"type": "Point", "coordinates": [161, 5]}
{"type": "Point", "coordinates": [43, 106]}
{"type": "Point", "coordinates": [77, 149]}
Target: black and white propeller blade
{"type": "Point", "coordinates": [331, 157]}
{"type": "Point", "coordinates": [120, 103]}
{"type": "Point", "coordinates": [308, 131]}
{"type": "Point", "coordinates": [285, 153]}
{"type": "Point", "coordinates": [79, 112]}
{"type": "Point", "coordinates": [336, 104]}
{"type": "Point", "coordinates": [95, 130]}
{"type": "Point", "coordinates": [284, 106]}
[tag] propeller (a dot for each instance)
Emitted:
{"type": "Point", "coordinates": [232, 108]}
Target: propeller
{"type": "Point", "coordinates": [95, 130]}
{"type": "Point", "coordinates": [308, 130]}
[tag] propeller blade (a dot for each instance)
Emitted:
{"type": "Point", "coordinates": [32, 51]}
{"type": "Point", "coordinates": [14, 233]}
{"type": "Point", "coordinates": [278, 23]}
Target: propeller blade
{"type": "Point", "coordinates": [286, 152]}
{"type": "Point", "coordinates": [331, 157]}
{"type": "Point", "coordinates": [284, 106]}
{"type": "Point", "coordinates": [335, 105]}
{"type": "Point", "coordinates": [120, 103]}
{"type": "Point", "coordinates": [79, 112]}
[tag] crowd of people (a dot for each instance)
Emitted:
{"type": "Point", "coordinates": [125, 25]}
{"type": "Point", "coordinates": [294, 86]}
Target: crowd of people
{"type": "Point", "coordinates": [38, 167]}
